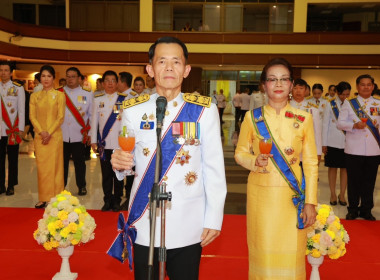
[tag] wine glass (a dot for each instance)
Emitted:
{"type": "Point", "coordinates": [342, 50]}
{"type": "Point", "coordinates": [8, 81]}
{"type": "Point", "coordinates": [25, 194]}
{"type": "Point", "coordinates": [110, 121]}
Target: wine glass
{"type": "Point", "coordinates": [127, 142]}
{"type": "Point", "coordinates": [265, 146]}
{"type": "Point", "coordinates": [363, 117]}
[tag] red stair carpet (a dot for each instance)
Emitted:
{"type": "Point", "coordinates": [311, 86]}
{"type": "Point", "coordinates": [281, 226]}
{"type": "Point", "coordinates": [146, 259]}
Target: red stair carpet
{"type": "Point", "coordinates": [22, 258]}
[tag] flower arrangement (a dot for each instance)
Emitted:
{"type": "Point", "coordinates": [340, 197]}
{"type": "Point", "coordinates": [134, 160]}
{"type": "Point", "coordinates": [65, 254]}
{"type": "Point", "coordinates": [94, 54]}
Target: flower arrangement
{"type": "Point", "coordinates": [327, 236]}
{"type": "Point", "coordinates": [64, 223]}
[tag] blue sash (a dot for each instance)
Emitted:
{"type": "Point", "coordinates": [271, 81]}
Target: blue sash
{"type": "Point", "coordinates": [111, 120]}
{"type": "Point", "coordinates": [335, 110]}
{"type": "Point", "coordinates": [127, 236]}
{"type": "Point", "coordinates": [282, 165]}
{"type": "Point", "coordinates": [359, 110]}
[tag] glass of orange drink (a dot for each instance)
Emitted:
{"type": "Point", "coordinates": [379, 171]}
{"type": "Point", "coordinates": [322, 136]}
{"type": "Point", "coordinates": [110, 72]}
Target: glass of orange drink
{"type": "Point", "coordinates": [127, 141]}
{"type": "Point", "coordinates": [265, 146]}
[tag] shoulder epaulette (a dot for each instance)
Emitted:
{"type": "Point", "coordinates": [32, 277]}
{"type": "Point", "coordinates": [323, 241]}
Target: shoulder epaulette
{"type": "Point", "coordinates": [16, 84]}
{"type": "Point", "coordinates": [99, 94]}
{"type": "Point", "coordinates": [197, 99]}
{"type": "Point", "coordinates": [311, 104]}
{"type": "Point", "coordinates": [326, 97]}
{"type": "Point", "coordinates": [122, 94]}
{"type": "Point", "coordinates": [376, 97]}
{"type": "Point", "coordinates": [332, 99]}
{"type": "Point", "coordinates": [59, 88]}
{"type": "Point", "coordinates": [133, 93]}
{"type": "Point", "coordinates": [309, 97]}
{"type": "Point", "coordinates": [86, 89]}
{"type": "Point", "coordinates": [135, 101]}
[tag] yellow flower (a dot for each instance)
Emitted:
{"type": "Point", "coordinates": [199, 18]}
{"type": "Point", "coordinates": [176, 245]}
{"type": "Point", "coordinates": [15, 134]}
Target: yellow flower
{"type": "Point", "coordinates": [51, 227]}
{"type": "Point", "coordinates": [72, 227]}
{"type": "Point", "coordinates": [315, 253]}
{"type": "Point", "coordinates": [336, 255]}
{"type": "Point", "coordinates": [77, 210]}
{"type": "Point", "coordinates": [54, 243]}
{"type": "Point", "coordinates": [74, 201]}
{"type": "Point", "coordinates": [61, 198]}
{"type": "Point", "coordinates": [62, 215]}
{"type": "Point", "coordinates": [66, 192]}
{"type": "Point", "coordinates": [337, 224]}
{"type": "Point", "coordinates": [74, 241]}
{"type": "Point", "coordinates": [47, 246]}
{"type": "Point", "coordinates": [323, 212]}
{"type": "Point", "coordinates": [58, 224]}
{"type": "Point", "coordinates": [331, 233]}
{"type": "Point", "coordinates": [332, 250]}
{"type": "Point", "coordinates": [321, 219]}
{"type": "Point", "coordinates": [307, 251]}
{"type": "Point", "coordinates": [65, 232]}
{"type": "Point", "coordinates": [316, 238]}
{"type": "Point", "coordinates": [35, 234]}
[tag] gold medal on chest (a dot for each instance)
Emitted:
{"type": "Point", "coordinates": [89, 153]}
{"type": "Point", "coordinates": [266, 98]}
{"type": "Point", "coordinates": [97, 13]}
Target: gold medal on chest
{"type": "Point", "coordinates": [289, 151]}
{"type": "Point", "coordinates": [296, 125]}
{"type": "Point", "coordinates": [12, 110]}
{"type": "Point", "coordinates": [190, 178]}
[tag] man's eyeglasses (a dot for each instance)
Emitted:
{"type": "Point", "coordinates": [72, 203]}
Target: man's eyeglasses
{"type": "Point", "coordinates": [110, 81]}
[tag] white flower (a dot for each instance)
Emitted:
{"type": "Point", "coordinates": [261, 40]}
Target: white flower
{"type": "Point", "coordinates": [54, 212]}
{"type": "Point", "coordinates": [73, 217]}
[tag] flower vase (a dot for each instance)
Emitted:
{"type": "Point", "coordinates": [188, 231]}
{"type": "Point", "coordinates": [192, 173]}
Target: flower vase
{"type": "Point", "coordinates": [65, 273]}
{"type": "Point", "coordinates": [315, 263]}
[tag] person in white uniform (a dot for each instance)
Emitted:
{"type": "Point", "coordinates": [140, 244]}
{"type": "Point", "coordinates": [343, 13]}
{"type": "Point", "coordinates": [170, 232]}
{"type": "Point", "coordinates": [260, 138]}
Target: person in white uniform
{"type": "Point", "coordinates": [360, 119]}
{"type": "Point", "coordinates": [12, 126]}
{"type": "Point", "coordinates": [317, 99]}
{"type": "Point", "coordinates": [151, 85]}
{"type": "Point", "coordinates": [299, 101]}
{"type": "Point", "coordinates": [333, 141]}
{"type": "Point", "coordinates": [76, 127]}
{"type": "Point", "coordinates": [105, 124]}
{"type": "Point", "coordinates": [245, 101]}
{"type": "Point", "coordinates": [236, 101]}
{"type": "Point", "coordinates": [193, 167]}
{"type": "Point", "coordinates": [258, 99]}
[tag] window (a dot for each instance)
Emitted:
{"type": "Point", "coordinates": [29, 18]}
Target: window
{"type": "Point", "coordinates": [52, 15]}
{"type": "Point", "coordinates": [24, 13]}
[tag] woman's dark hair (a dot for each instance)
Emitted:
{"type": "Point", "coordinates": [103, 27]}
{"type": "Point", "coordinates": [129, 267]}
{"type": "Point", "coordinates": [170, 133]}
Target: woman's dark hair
{"type": "Point", "coordinates": [274, 62]}
{"type": "Point", "coordinates": [48, 68]}
{"type": "Point", "coordinates": [330, 86]}
{"type": "Point", "coordinates": [342, 86]}
{"type": "Point", "coordinates": [167, 40]}
{"type": "Point", "coordinates": [139, 79]}
{"type": "Point", "coordinates": [317, 86]}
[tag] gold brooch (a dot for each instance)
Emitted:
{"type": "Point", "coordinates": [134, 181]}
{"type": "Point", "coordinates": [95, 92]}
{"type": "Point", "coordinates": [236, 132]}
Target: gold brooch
{"type": "Point", "coordinates": [190, 178]}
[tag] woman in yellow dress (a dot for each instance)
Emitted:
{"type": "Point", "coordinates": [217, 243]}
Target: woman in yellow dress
{"type": "Point", "coordinates": [281, 202]}
{"type": "Point", "coordinates": [47, 112]}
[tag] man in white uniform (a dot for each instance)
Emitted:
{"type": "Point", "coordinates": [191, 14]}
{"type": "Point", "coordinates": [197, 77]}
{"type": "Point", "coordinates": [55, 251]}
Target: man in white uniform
{"type": "Point", "coordinates": [105, 124]}
{"type": "Point", "coordinates": [360, 118]}
{"type": "Point", "coordinates": [76, 127]}
{"type": "Point", "coordinates": [193, 166]}
{"type": "Point", "coordinates": [300, 102]}
{"type": "Point", "coordinates": [245, 102]}
{"type": "Point", "coordinates": [258, 99]}
{"type": "Point", "coordinates": [12, 126]}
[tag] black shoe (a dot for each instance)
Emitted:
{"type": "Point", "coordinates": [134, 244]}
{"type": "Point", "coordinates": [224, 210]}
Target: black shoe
{"type": "Point", "coordinates": [333, 203]}
{"type": "Point", "coordinates": [351, 216]}
{"type": "Point", "coordinates": [116, 207]}
{"type": "Point", "coordinates": [82, 191]}
{"type": "Point", "coordinates": [106, 207]}
{"type": "Point", "coordinates": [367, 216]}
{"type": "Point", "coordinates": [10, 191]}
{"type": "Point", "coordinates": [40, 206]}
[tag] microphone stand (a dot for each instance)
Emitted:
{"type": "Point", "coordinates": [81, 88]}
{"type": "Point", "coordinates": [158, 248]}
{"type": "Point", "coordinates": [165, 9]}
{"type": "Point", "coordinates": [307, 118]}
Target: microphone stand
{"type": "Point", "coordinates": [157, 198]}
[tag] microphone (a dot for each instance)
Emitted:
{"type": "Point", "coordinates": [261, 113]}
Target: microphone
{"type": "Point", "coordinates": [160, 110]}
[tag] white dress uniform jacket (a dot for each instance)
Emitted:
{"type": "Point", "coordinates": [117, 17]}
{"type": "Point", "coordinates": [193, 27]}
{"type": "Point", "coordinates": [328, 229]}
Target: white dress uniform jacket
{"type": "Point", "coordinates": [305, 106]}
{"type": "Point", "coordinates": [258, 99]}
{"type": "Point", "coordinates": [82, 100]}
{"type": "Point", "coordinates": [149, 91]}
{"type": "Point", "coordinates": [245, 100]}
{"type": "Point", "coordinates": [236, 100]}
{"type": "Point", "coordinates": [196, 205]}
{"type": "Point", "coordinates": [321, 105]}
{"type": "Point", "coordinates": [102, 108]}
{"type": "Point", "coordinates": [360, 141]}
{"type": "Point", "coordinates": [331, 135]}
{"type": "Point", "coordinates": [13, 96]}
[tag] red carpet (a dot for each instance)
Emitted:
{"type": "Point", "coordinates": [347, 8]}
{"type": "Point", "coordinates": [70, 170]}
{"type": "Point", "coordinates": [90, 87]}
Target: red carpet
{"type": "Point", "coordinates": [22, 258]}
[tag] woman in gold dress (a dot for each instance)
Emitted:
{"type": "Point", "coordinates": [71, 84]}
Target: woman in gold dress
{"type": "Point", "coordinates": [281, 202]}
{"type": "Point", "coordinates": [47, 112]}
